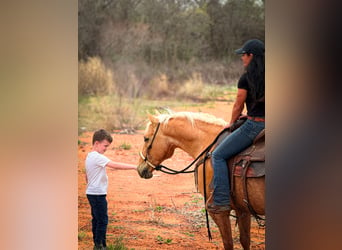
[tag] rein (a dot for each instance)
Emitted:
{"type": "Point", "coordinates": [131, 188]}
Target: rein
{"type": "Point", "coordinates": [172, 171]}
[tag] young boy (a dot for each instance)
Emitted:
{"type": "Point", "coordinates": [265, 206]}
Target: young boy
{"type": "Point", "coordinates": [97, 183]}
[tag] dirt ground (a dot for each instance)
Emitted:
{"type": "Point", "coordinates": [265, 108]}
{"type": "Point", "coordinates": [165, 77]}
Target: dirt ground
{"type": "Point", "coordinates": [165, 212]}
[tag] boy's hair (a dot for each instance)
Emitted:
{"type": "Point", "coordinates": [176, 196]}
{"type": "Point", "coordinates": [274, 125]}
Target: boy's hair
{"type": "Point", "coordinates": [101, 135]}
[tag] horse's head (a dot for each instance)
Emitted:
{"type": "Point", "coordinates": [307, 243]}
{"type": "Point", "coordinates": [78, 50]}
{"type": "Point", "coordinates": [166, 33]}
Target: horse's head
{"type": "Point", "coordinates": [156, 148]}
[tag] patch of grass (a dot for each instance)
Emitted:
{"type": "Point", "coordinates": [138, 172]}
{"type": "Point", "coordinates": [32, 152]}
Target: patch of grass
{"type": "Point", "coordinates": [82, 235]}
{"type": "Point", "coordinates": [159, 208]}
{"type": "Point", "coordinates": [189, 234]}
{"type": "Point", "coordinates": [161, 240]}
{"type": "Point", "coordinates": [117, 245]}
{"type": "Point", "coordinates": [125, 146]}
{"type": "Point", "coordinates": [214, 92]}
{"type": "Point", "coordinates": [109, 112]}
{"type": "Point", "coordinates": [196, 199]}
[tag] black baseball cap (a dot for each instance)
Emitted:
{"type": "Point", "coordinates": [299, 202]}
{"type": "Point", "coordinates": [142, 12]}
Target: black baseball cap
{"type": "Point", "coordinates": [254, 46]}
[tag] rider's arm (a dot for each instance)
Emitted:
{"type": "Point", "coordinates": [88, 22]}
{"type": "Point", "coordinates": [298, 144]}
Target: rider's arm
{"type": "Point", "coordinates": [238, 105]}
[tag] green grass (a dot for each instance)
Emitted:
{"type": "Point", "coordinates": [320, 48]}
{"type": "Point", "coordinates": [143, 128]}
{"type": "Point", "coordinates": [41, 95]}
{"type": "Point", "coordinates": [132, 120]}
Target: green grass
{"type": "Point", "coordinates": [161, 240]}
{"type": "Point", "coordinates": [118, 244]}
{"type": "Point", "coordinates": [159, 208]}
{"type": "Point", "coordinates": [189, 234]}
{"type": "Point", "coordinates": [125, 146]}
{"type": "Point", "coordinates": [196, 199]}
{"type": "Point", "coordinates": [81, 235]}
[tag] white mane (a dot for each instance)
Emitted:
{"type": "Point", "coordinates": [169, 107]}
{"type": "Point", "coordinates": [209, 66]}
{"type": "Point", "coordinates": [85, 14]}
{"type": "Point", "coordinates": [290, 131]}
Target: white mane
{"type": "Point", "coordinates": [192, 116]}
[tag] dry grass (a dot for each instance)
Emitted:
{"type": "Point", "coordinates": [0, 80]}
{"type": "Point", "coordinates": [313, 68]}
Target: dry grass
{"type": "Point", "coordinates": [94, 78]}
{"type": "Point", "coordinates": [121, 100]}
{"type": "Point", "coordinates": [109, 112]}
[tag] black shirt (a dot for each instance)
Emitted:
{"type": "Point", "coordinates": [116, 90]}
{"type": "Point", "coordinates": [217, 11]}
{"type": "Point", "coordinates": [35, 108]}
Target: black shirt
{"type": "Point", "coordinates": [254, 108]}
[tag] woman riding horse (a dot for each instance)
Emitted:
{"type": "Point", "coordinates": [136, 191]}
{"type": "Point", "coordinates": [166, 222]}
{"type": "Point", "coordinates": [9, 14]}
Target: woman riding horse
{"type": "Point", "coordinates": [251, 91]}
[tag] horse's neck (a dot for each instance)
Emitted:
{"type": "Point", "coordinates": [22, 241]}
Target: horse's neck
{"type": "Point", "coordinates": [191, 139]}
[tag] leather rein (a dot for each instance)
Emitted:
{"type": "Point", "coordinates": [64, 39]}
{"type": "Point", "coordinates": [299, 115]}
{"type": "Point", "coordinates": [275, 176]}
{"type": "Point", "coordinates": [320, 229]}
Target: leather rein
{"type": "Point", "coordinates": [172, 171]}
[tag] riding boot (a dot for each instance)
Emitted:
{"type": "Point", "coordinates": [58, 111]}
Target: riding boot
{"type": "Point", "coordinates": [211, 207]}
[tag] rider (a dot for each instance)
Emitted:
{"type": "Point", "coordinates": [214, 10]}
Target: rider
{"type": "Point", "coordinates": [251, 91]}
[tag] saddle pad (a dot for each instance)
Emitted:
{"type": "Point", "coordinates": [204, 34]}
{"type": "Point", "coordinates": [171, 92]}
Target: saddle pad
{"type": "Point", "coordinates": [255, 169]}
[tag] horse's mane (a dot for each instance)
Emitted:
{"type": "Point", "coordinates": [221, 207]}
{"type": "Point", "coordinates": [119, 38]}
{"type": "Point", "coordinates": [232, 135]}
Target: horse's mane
{"type": "Point", "coordinates": [192, 117]}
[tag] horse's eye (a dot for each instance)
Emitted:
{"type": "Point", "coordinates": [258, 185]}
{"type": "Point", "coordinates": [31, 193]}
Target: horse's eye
{"type": "Point", "coordinates": [146, 139]}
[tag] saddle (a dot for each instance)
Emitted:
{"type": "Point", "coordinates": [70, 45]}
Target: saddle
{"type": "Point", "coordinates": [249, 162]}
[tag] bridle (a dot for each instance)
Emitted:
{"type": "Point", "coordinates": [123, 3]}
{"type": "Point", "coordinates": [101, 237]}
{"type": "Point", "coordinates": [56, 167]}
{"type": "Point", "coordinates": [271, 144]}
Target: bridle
{"type": "Point", "coordinates": [161, 167]}
{"type": "Point", "coordinates": [145, 159]}
{"type": "Point", "coordinates": [205, 152]}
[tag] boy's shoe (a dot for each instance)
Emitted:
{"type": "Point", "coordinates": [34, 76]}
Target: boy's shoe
{"type": "Point", "coordinates": [100, 247]}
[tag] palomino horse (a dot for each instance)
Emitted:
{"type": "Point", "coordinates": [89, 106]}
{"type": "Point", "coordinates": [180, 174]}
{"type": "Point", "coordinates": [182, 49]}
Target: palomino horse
{"type": "Point", "coordinates": [193, 132]}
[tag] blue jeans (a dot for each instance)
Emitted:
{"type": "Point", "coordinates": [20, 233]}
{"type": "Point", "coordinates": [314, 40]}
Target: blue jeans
{"type": "Point", "coordinates": [98, 204]}
{"type": "Point", "coordinates": [234, 143]}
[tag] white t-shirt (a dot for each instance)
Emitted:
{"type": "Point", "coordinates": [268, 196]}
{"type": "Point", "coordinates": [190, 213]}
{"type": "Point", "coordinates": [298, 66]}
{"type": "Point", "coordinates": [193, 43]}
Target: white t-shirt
{"type": "Point", "coordinates": [96, 173]}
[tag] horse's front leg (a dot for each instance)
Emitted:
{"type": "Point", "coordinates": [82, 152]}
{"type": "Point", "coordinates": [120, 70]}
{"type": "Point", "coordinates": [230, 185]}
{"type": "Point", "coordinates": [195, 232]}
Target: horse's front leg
{"type": "Point", "coordinates": [223, 222]}
{"type": "Point", "coordinates": [244, 223]}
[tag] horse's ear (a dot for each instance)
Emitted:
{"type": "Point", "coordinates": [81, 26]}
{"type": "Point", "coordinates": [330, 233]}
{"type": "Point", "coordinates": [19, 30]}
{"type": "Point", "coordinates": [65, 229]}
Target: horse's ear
{"type": "Point", "coordinates": [152, 118]}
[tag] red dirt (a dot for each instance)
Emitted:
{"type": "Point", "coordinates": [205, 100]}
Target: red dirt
{"type": "Point", "coordinates": [165, 212]}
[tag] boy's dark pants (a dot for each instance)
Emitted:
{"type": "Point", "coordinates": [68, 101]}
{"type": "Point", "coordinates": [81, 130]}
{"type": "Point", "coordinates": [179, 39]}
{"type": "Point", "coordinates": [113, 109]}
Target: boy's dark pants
{"type": "Point", "coordinates": [98, 204]}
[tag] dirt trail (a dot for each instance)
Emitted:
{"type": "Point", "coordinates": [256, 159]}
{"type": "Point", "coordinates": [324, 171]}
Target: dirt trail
{"type": "Point", "coordinates": [164, 212]}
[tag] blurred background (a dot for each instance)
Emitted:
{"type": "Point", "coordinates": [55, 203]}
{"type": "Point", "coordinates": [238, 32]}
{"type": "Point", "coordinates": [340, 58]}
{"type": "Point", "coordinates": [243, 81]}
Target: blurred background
{"type": "Point", "coordinates": [134, 52]}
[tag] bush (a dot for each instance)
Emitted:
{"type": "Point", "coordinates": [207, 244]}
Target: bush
{"type": "Point", "coordinates": [94, 78]}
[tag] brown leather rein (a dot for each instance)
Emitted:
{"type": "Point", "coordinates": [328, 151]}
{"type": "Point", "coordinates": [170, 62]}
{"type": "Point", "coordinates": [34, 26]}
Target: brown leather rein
{"type": "Point", "coordinates": [169, 170]}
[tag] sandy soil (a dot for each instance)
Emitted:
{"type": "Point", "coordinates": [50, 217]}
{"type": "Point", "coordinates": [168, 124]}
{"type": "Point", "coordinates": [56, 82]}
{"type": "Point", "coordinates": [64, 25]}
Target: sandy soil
{"type": "Point", "coordinates": [165, 212]}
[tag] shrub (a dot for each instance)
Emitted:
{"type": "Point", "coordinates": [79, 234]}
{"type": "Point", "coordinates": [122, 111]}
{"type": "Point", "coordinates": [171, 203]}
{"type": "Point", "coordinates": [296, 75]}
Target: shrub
{"type": "Point", "coordinates": [94, 78]}
{"type": "Point", "coordinates": [191, 88]}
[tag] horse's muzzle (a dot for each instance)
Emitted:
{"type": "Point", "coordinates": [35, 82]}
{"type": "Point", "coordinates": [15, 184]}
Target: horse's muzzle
{"type": "Point", "coordinates": [144, 172]}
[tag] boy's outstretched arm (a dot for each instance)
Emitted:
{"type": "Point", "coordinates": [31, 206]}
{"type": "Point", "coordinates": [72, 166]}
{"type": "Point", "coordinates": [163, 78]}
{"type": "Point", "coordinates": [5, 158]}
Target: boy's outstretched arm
{"type": "Point", "coordinates": [121, 165]}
